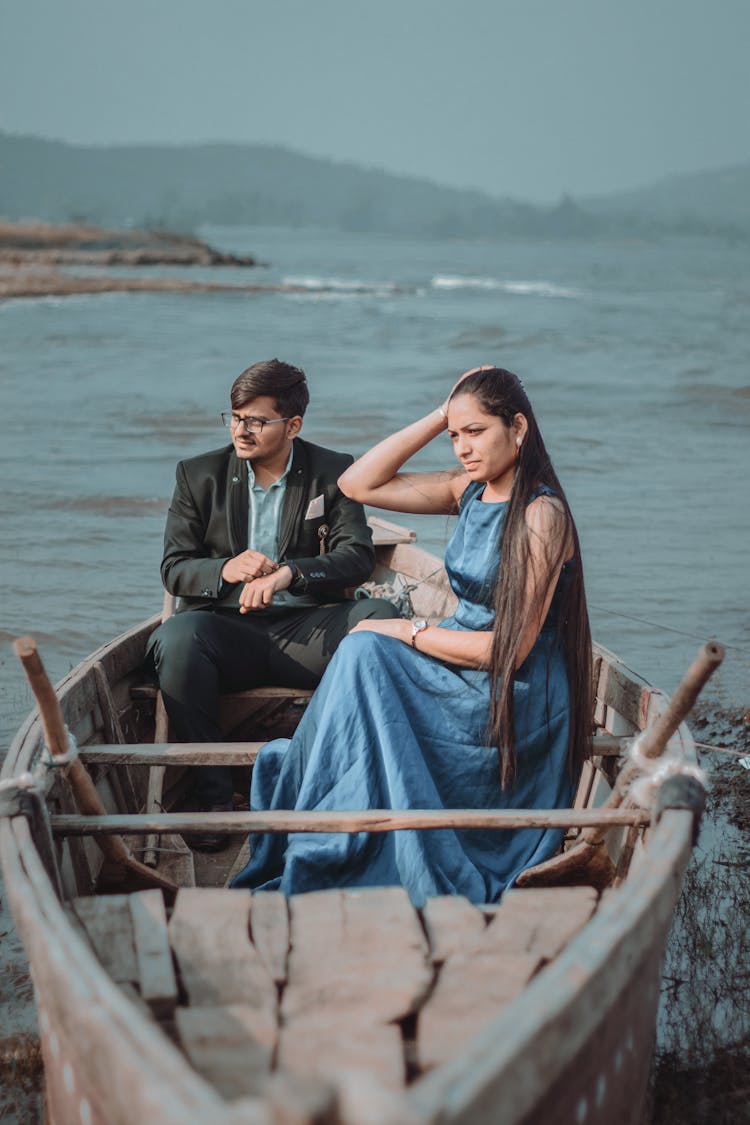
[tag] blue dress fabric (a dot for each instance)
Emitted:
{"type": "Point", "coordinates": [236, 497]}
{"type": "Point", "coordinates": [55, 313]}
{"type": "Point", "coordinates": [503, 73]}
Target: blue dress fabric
{"type": "Point", "coordinates": [390, 727]}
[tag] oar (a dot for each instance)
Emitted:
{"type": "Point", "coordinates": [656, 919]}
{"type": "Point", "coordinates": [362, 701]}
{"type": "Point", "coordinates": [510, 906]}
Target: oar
{"type": "Point", "coordinates": [86, 796]}
{"type": "Point", "coordinates": [588, 860]}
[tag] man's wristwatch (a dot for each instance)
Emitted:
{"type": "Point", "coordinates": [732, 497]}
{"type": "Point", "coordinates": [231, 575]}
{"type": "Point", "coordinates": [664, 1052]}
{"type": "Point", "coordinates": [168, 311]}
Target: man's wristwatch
{"type": "Point", "coordinates": [417, 626]}
{"type": "Point", "coordinates": [297, 578]}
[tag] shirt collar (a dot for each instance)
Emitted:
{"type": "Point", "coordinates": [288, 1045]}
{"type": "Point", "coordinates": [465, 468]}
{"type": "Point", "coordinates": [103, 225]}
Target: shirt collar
{"type": "Point", "coordinates": [281, 479]}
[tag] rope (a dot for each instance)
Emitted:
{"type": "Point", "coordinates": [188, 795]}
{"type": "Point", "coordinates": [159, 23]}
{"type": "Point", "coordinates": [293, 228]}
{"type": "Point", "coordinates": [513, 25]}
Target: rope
{"type": "Point", "coordinates": [655, 771]}
{"type": "Point", "coordinates": [665, 628]}
{"type": "Point", "coordinates": [721, 750]}
{"type": "Point", "coordinates": [57, 761]}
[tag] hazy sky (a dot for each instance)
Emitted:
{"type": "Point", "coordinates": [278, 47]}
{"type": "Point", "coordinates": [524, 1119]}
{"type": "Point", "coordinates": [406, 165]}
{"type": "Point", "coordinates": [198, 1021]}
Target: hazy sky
{"type": "Point", "coordinates": [524, 97]}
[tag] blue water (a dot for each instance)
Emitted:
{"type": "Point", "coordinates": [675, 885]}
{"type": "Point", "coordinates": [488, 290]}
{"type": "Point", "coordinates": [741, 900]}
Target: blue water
{"type": "Point", "coordinates": [636, 356]}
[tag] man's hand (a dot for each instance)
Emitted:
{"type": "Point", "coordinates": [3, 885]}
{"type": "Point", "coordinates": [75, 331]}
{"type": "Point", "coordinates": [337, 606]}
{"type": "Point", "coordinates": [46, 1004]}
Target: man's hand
{"type": "Point", "coordinates": [259, 593]}
{"type": "Point", "coordinates": [396, 627]}
{"type": "Point", "coordinates": [247, 566]}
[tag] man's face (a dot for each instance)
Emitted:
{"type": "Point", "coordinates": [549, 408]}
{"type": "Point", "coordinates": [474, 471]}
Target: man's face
{"type": "Point", "coordinates": [272, 441]}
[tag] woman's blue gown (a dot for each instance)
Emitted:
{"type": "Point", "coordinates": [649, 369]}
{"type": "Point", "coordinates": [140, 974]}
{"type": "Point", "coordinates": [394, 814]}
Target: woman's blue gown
{"type": "Point", "coordinates": [390, 727]}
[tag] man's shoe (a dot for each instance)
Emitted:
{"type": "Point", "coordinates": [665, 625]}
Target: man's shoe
{"type": "Point", "coordinates": [211, 841]}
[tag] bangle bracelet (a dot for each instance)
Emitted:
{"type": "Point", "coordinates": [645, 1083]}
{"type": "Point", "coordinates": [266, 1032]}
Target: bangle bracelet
{"type": "Point", "coordinates": [442, 414]}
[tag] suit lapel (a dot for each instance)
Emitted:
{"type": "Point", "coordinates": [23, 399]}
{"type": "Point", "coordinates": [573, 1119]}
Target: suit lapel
{"type": "Point", "coordinates": [237, 504]}
{"type": "Point", "coordinates": [296, 490]}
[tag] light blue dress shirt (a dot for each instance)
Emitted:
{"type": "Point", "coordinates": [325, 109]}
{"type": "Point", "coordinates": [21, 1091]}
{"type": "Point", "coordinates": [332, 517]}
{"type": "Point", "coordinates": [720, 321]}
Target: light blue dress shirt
{"type": "Point", "coordinates": [264, 516]}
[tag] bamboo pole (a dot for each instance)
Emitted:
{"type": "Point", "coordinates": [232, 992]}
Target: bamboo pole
{"type": "Point", "coordinates": [367, 820]}
{"type": "Point", "coordinates": [88, 800]}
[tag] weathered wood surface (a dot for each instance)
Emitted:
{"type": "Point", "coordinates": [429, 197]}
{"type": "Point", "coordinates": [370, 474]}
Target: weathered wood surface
{"type": "Point", "coordinates": [128, 933]}
{"type": "Point", "coordinates": [269, 931]}
{"type": "Point", "coordinates": [174, 754]}
{"type": "Point", "coordinates": [372, 820]}
{"type": "Point", "coordinates": [358, 964]}
{"type": "Point", "coordinates": [361, 955]}
{"type": "Point", "coordinates": [123, 1063]}
{"type": "Point", "coordinates": [231, 1046]}
{"type": "Point", "coordinates": [156, 979]}
{"type": "Point", "coordinates": [478, 980]}
{"type": "Point", "coordinates": [270, 692]}
{"type": "Point", "coordinates": [210, 937]}
{"type": "Point", "coordinates": [503, 1073]}
{"type": "Point", "coordinates": [451, 924]}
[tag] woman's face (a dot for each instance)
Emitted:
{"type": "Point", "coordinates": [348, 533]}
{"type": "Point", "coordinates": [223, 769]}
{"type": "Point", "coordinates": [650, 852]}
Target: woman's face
{"type": "Point", "coordinates": [483, 443]}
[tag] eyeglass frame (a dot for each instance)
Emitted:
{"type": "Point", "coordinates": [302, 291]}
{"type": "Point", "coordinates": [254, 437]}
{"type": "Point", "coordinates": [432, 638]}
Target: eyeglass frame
{"type": "Point", "coordinates": [228, 418]}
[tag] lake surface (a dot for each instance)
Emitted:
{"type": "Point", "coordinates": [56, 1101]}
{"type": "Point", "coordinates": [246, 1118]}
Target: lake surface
{"type": "Point", "coordinates": [636, 357]}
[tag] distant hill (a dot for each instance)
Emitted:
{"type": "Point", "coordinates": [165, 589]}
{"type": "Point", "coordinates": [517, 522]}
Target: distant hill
{"type": "Point", "coordinates": [181, 186]}
{"type": "Point", "coordinates": [719, 198]}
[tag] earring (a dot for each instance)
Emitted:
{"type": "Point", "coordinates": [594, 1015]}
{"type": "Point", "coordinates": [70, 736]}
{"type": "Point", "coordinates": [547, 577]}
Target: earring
{"type": "Point", "coordinates": [519, 441]}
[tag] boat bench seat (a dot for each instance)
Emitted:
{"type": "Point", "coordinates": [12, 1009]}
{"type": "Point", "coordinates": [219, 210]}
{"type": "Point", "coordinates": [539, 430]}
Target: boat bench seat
{"type": "Point", "coordinates": [266, 694]}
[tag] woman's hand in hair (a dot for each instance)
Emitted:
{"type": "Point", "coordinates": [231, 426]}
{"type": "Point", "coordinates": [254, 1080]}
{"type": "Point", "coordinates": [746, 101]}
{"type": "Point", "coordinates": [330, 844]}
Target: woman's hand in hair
{"type": "Point", "coordinates": [466, 374]}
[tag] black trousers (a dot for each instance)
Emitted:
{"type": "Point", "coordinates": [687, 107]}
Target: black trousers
{"type": "Point", "coordinates": [200, 654]}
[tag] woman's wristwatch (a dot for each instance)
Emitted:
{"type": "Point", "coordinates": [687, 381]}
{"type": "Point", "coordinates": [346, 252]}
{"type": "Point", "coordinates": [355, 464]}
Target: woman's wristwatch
{"type": "Point", "coordinates": [417, 626]}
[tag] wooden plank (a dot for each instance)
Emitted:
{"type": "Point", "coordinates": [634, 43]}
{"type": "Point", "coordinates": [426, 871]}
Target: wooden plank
{"type": "Point", "coordinates": [209, 934]}
{"type": "Point", "coordinates": [269, 692]}
{"type": "Point", "coordinates": [156, 979]}
{"type": "Point", "coordinates": [370, 820]}
{"type": "Point", "coordinates": [529, 929]}
{"type": "Point", "coordinates": [269, 931]}
{"type": "Point", "coordinates": [470, 991]}
{"type": "Point", "coordinates": [173, 754]}
{"type": "Point", "coordinates": [231, 1046]}
{"type": "Point", "coordinates": [109, 927]}
{"type": "Point", "coordinates": [361, 955]}
{"type": "Point", "coordinates": [293, 1099]}
{"type": "Point", "coordinates": [539, 920]}
{"type": "Point", "coordinates": [585, 782]}
{"type": "Point", "coordinates": [175, 860]}
{"type": "Point", "coordinates": [330, 1045]}
{"type": "Point", "coordinates": [240, 863]}
{"type": "Point", "coordinates": [451, 923]}
{"type": "Point", "coordinates": [386, 534]}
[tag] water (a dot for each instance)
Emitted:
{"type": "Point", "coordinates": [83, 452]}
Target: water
{"type": "Point", "coordinates": [636, 357]}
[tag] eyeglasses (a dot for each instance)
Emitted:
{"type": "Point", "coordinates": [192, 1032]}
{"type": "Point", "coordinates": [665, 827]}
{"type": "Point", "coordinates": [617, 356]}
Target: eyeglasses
{"type": "Point", "coordinates": [252, 425]}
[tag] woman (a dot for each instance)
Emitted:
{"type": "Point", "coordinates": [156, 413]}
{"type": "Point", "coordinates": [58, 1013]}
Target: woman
{"type": "Point", "coordinates": [490, 709]}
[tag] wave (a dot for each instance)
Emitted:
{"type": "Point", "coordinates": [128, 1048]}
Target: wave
{"type": "Point", "coordinates": [338, 286]}
{"type": "Point", "coordinates": [522, 288]}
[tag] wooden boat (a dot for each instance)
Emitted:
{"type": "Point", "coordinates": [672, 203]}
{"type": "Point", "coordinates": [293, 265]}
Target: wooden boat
{"type": "Point", "coordinates": [192, 1003]}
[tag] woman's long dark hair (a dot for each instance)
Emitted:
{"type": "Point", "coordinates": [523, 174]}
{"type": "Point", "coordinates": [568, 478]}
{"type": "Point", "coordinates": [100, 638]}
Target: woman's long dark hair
{"type": "Point", "coordinates": [501, 393]}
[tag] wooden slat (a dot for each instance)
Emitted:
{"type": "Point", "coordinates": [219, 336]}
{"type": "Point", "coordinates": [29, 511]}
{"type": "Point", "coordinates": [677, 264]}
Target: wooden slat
{"type": "Point", "coordinates": [109, 927]}
{"type": "Point", "coordinates": [529, 929]}
{"type": "Point", "coordinates": [360, 956]}
{"type": "Point", "coordinates": [238, 753]}
{"type": "Point", "coordinates": [387, 534]}
{"type": "Point", "coordinates": [330, 1045]}
{"type": "Point", "coordinates": [209, 934]}
{"type": "Point", "coordinates": [372, 820]}
{"type": "Point", "coordinates": [269, 930]}
{"type": "Point", "coordinates": [230, 1046]}
{"type": "Point", "coordinates": [174, 754]}
{"type": "Point", "coordinates": [261, 694]}
{"type": "Point", "coordinates": [539, 920]}
{"type": "Point", "coordinates": [470, 991]}
{"type": "Point", "coordinates": [156, 979]}
{"type": "Point", "coordinates": [451, 924]}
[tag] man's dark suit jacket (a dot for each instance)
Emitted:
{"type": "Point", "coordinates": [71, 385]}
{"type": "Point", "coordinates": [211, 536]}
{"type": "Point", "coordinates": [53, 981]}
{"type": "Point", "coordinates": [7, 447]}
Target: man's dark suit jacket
{"type": "Point", "coordinates": [207, 524]}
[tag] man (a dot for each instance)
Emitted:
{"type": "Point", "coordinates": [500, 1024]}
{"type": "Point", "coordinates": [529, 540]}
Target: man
{"type": "Point", "coordinates": [259, 549]}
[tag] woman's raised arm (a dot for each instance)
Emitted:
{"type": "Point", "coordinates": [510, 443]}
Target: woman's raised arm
{"type": "Point", "coordinates": [375, 478]}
